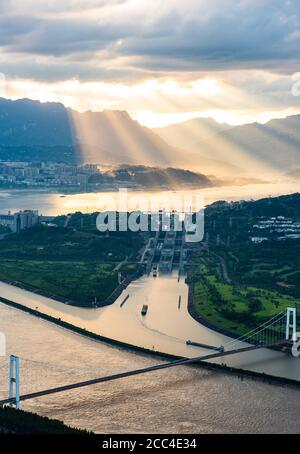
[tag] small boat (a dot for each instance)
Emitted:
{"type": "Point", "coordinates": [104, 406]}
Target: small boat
{"type": "Point", "coordinates": [144, 310]}
{"type": "Point", "coordinates": [154, 270]}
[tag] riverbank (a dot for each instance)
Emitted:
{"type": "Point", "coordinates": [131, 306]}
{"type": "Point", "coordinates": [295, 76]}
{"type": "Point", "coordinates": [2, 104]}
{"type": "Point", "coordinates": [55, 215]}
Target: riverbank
{"type": "Point", "coordinates": [165, 329]}
{"type": "Point", "coordinates": [266, 378]}
{"type": "Point", "coordinates": [179, 400]}
{"type": "Point", "coordinates": [108, 301]}
{"type": "Point", "coordinates": [200, 319]}
{"type": "Point", "coordinates": [74, 264]}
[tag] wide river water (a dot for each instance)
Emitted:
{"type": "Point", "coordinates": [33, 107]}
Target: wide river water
{"type": "Point", "coordinates": [178, 400]}
{"type": "Point", "coordinates": [165, 329]}
{"type": "Point", "coordinates": [53, 204]}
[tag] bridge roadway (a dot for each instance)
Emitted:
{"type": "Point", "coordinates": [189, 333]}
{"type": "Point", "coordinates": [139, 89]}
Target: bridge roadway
{"type": "Point", "coordinates": [166, 328]}
{"type": "Point", "coordinates": [131, 373]}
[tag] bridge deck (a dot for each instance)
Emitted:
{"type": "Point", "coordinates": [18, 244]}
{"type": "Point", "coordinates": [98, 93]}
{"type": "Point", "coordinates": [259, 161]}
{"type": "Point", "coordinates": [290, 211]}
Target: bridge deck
{"type": "Point", "coordinates": [179, 362]}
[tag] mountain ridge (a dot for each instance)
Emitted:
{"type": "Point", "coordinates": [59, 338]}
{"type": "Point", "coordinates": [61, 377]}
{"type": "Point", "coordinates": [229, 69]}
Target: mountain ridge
{"type": "Point", "coordinates": [113, 137]}
{"type": "Point", "coordinates": [97, 134]}
{"type": "Point", "coordinates": [273, 147]}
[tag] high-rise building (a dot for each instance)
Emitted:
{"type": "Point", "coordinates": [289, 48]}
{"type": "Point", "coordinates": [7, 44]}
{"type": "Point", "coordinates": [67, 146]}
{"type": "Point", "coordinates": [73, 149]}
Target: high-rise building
{"type": "Point", "coordinates": [20, 221]}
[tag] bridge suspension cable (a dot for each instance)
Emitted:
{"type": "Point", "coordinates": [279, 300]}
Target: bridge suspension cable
{"type": "Point", "coordinates": [273, 330]}
{"type": "Point", "coordinates": [103, 379]}
{"type": "Point", "coordinates": [41, 377]}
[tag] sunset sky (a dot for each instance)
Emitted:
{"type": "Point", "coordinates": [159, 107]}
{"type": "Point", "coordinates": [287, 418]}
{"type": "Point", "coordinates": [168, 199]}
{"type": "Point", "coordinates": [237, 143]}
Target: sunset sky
{"type": "Point", "coordinates": [163, 62]}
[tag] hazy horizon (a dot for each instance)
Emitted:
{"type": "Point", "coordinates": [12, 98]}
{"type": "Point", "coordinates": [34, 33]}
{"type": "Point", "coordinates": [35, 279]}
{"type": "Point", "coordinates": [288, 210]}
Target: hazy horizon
{"type": "Point", "coordinates": [183, 119]}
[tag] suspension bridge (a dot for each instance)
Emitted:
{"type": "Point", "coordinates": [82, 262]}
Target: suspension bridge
{"type": "Point", "coordinates": [280, 332]}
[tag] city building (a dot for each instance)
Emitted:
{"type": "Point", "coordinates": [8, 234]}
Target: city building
{"type": "Point", "coordinates": [21, 220]}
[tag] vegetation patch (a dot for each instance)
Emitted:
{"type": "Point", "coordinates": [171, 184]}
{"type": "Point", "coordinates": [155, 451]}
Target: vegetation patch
{"type": "Point", "coordinates": [69, 259]}
{"type": "Point", "coordinates": [20, 422]}
{"type": "Point", "coordinates": [240, 284]}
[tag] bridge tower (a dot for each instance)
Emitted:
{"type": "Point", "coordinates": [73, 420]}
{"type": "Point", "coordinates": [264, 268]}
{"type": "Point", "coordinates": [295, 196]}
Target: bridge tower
{"type": "Point", "coordinates": [291, 324]}
{"type": "Point", "coordinates": [14, 380]}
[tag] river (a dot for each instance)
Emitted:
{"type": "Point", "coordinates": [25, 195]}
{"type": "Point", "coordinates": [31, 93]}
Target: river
{"type": "Point", "coordinates": [52, 204]}
{"type": "Point", "coordinates": [164, 329]}
{"type": "Point", "coordinates": [178, 400]}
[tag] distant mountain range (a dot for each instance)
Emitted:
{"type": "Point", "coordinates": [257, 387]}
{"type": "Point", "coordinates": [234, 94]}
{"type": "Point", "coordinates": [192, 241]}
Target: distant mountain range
{"type": "Point", "coordinates": [49, 131]}
{"type": "Point", "coordinates": [254, 148]}
{"type": "Point", "coordinates": [102, 137]}
{"type": "Point", "coordinates": [187, 134]}
{"type": "Point", "coordinates": [274, 146]}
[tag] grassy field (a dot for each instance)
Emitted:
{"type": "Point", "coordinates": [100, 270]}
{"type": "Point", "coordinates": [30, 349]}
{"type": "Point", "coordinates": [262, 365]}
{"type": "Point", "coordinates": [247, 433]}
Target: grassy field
{"type": "Point", "coordinates": [240, 284]}
{"type": "Point", "coordinates": [81, 282]}
{"type": "Point", "coordinates": [236, 308]}
{"type": "Point", "coordinates": [77, 263]}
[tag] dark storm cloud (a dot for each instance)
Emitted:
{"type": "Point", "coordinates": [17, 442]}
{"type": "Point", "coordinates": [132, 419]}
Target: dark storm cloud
{"type": "Point", "coordinates": [195, 35]}
{"type": "Point", "coordinates": [59, 71]}
{"type": "Point", "coordinates": [13, 28]}
{"type": "Point", "coordinates": [65, 37]}
{"type": "Point", "coordinates": [250, 35]}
